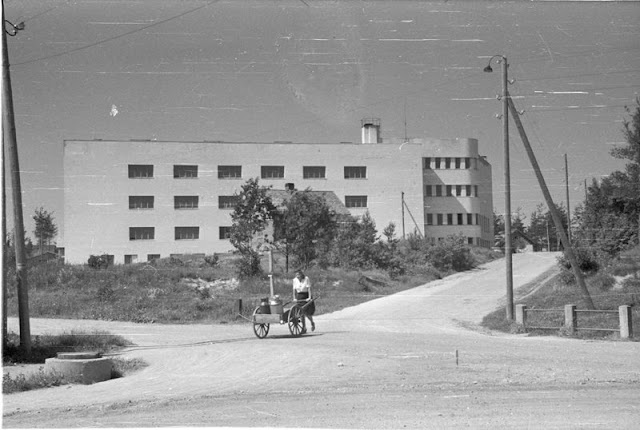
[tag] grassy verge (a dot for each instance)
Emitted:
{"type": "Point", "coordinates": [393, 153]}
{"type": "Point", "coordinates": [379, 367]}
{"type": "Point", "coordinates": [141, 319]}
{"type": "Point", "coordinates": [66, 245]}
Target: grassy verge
{"type": "Point", "coordinates": [47, 346]}
{"type": "Point", "coordinates": [174, 291]}
{"type": "Point", "coordinates": [616, 285]}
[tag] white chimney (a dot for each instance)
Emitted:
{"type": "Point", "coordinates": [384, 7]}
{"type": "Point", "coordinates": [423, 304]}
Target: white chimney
{"type": "Point", "coordinates": [371, 130]}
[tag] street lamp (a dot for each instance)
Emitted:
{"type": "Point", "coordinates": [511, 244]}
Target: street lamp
{"type": "Point", "coordinates": [501, 59]}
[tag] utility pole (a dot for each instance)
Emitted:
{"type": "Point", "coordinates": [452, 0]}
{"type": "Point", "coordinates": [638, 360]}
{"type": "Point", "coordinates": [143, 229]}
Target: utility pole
{"type": "Point", "coordinates": [554, 211]}
{"type": "Point", "coordinates": [402, 196]}
{"type": "Point", "coordinates": [507, 182]}
{"type": "Point", "coordinates": [566, 185]}
{"type": "Point", "coordinates": [9, 133]}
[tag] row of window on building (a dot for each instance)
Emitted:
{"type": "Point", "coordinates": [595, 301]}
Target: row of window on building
{"type": "Point", "coordinates": [435, 163]}
{"type": "Point", "coordinates": [224, 202]}
{"type": "Point", "coordinates": [451, 190]}
{"type": "Point", "coordinates": [180, 233]}
{"type": "Point", "coordinates": [180, 171]}
{"type": "Point", "coordinates": [459, 219]}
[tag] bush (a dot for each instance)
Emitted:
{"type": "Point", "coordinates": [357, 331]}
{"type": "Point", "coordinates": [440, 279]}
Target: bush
{"type": "Point", "coordinates": [452, 254]}
{"type": "Point", "coordinates": [589, 259]}
{"type": "Point", "coordinates": [211, 260]}
{"type": "Point", "coordinates": [98, 261]}
{"type": "Point", "coordinates": [603, 281]}
{"type": "Point", "coordinates": [249, 264]}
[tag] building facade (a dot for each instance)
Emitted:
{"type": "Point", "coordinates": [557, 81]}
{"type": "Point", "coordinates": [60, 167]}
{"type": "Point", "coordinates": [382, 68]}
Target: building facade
{"type": "Point", "coordinates": [140, 200]}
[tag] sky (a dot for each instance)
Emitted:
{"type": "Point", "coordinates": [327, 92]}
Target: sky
{"type": "Point", "coordinates": [309, 71]}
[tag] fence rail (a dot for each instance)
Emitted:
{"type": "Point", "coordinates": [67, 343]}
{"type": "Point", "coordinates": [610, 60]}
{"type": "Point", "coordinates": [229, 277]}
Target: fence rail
{"type": "Point", "coordinates": [571, 319]}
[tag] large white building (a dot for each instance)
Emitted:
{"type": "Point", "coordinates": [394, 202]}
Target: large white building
{"type": "Point", "coordinates": [139, 200]}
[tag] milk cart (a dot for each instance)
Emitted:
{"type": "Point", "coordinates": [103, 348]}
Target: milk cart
{"type": "Point", "coordinates": [274, 312]}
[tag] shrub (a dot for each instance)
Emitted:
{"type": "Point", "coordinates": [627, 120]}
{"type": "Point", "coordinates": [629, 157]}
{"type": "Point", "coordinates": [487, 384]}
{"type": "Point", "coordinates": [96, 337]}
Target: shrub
{"type": "Point", "coordinates": [211, 260]}
{"type": "Point", "coordinates": [452, 254]}
{"type": "Point", "coordinates": [603, 281]}
{"type": "Point", "coordinates": [98, 261]}
{"type": "Point", "coordinates": [589, 259]}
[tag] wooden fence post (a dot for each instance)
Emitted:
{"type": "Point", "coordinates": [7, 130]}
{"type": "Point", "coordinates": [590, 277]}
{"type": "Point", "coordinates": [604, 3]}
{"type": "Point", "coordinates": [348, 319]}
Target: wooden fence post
{"type": "Point", "coordinates": [570, 318]}
{"type": "Point", "coordinates": [626, 323]}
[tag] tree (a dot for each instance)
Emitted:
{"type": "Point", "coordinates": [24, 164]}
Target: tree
{"type": "Point", "coordinates": [610, 217]}
{"type": "Point", "coordinates": [305, 226]}
{"type": "Point", "coordinates": [251, 215]}
{"type": "Point", "coordinates": [354, 243]}
{"type": "Point", "coordinates": [542, 229]}
{"type": "Point", "coordinates": [45, 229]}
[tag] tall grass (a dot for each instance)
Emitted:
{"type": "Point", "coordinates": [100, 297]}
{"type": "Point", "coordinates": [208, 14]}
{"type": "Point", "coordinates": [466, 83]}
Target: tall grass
{"type": "Point", "coordinates": [159, 293]}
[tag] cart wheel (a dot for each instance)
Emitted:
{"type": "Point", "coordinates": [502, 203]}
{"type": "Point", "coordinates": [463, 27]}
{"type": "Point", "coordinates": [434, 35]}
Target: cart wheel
{"type": "Point", "coordinates": [295, 321]}
{"type": "Point", "coordinates": [261, 330]}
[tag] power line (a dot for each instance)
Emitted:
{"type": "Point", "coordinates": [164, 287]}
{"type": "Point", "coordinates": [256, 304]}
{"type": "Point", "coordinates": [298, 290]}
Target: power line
{"type": "Point", "coordinates": [119, 36]}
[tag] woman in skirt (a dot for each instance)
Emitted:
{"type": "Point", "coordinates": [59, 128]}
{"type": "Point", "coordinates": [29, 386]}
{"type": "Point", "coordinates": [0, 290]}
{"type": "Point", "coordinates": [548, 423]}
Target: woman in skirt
{"type": "Point", "coordinates": [302, 292]}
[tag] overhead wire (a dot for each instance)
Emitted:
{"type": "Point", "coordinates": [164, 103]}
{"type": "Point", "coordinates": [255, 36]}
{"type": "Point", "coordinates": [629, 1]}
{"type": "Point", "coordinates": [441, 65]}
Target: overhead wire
{"type": "Point", "coordinates": [118, 36]}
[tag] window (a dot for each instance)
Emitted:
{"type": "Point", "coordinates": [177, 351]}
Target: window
{"type": "Point", "coordinates": [475, 190]}
{"type": "Point", "coordinates": [458, 190]}
{"type": "Point", "coordinates": [185, 202]}
{"type": "Point", "coordinates": [187, 233]}
{"type": "Point", "coordinates": [355, 172]}
{"type": "Point", "coordinates": [140, 171]}
{"type": "Point", "coordinates": [438, 190]}
{"type": "Point", "coordinates": [229, 172]}
{"type": "Point", "coordinates": [227, 202]}
{"type": "Point", "coordinates": [225, 232]}
{"type": "Point", "coordinates": [467, 163]}
{"type": "Point", "coordinates": [131, 259]}
{"type": "Point", "coordinates": [470, 240]}
{"type": "Point", "coordinates": [447, 163]}
{"type": "Point", "coordinates": [180, 171]}
{"type": "Point", "coordinates": [449, 193]}
{"type": "Point", "coordinates": [477, 219]}
{"type": "Point", "coordinates": [468, 190]}
{"type": "Point", "coordinates": [469, 219]}
{"type": "Point", "coordinates": [458, 162]}
{"type": "Point", "coordinates": [141, 233]}
{"type": "Point", "coordinates": [449, 219]}
{"type": "Point", "coordinates": [440, 219]}
{"type": "Point", "coordinates": [355, 201]}
{"type": "Point", "coordinates": [460, 219]}
{"type": "Point", "coordinates": [427, 163]}
{"type": "Point", "coordinates": [151, 257]}
{"type": "Point", "coordinates": [429, 219]}
{"type": "Point", "coordinates": [313, 172]}
{"type": "Point", "coordinates": [140, 202]}
{"type": "Point", "coordinates": [437, 163]}
{"type": "Point", "coordinates": [272, 172]}
{"type": "Point", "coordinates": [428, 191]}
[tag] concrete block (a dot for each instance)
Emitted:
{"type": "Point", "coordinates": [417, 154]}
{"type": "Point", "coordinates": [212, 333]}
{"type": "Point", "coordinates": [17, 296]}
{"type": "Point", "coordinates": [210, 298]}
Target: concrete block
{"type": "Point", "coordinates": [81, 370]}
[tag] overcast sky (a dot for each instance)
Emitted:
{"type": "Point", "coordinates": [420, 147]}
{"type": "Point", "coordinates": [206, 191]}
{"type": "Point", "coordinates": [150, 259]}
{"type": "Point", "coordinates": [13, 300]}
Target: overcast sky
{"type": "Point", "coordinates": [308, 71]}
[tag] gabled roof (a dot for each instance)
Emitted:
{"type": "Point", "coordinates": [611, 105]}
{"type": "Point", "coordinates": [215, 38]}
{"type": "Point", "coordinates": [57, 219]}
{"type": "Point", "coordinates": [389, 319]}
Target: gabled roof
{"type": "Point", "coordinates": [279, 197]}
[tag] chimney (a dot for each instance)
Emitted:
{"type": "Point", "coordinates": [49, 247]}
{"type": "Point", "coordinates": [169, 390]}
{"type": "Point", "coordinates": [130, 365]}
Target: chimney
{"type": "Point", "coordinates": [371, 130]}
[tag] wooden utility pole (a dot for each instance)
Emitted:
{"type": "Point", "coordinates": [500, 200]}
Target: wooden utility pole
{"type": "Point", "coordinates": [402, 197]}
{"type": "Point", "coordinates": [557, 220]}
{"type": "Point", "coordinates": [566, 185]}
{"type": "Point", "coordinates": [9, 135]}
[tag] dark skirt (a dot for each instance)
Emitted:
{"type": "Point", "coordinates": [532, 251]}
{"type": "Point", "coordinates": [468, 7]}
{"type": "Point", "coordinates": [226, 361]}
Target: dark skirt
{"type": "Point", "coordinates": [310, 307]}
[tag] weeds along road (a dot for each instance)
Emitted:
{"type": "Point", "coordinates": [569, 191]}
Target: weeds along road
{"type": "Point", "coordinates": [388, 363]}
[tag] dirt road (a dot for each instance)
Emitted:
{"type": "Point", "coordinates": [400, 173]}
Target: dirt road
{"type": "Point", "coordinates": [412, 360]}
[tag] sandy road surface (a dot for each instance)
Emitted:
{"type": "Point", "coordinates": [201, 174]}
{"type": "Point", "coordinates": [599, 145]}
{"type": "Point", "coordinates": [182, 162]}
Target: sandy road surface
{"type": "Point", "coordinates": [388, 363]}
